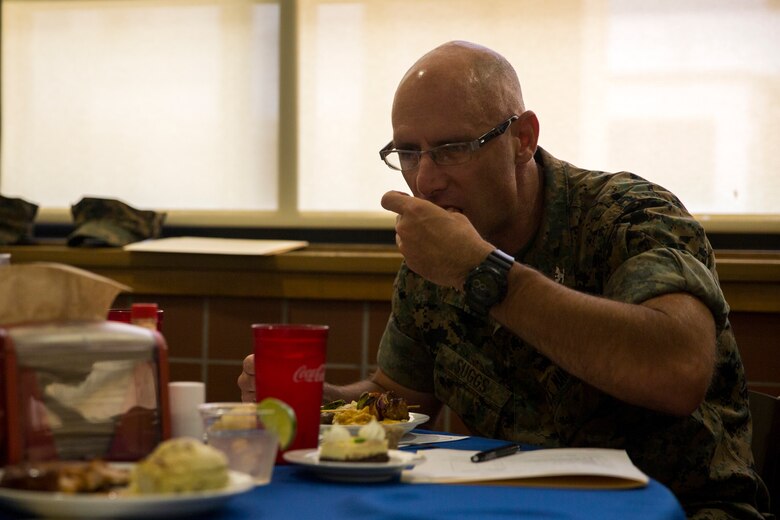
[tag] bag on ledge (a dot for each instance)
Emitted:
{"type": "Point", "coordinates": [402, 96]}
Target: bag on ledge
{"type": "Point", "coordinates": [16, 221]}
{"type": "Point", "coordinates": [112, 223]}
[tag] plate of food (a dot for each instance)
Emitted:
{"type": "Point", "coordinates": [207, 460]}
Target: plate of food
{"type": "Point", "coordinates": [354, 457]}
{"type": "Point", "coordinates": [354, 471]}
{"type": "Point", "coordinates": [384, 407]}
{"type": "Point", "coordinates": [415, 420]}
{"type": "Point", "coordinates": [97, 489]}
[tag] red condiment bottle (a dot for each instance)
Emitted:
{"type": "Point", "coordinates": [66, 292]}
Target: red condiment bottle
{"type": "Point", "coordinates": [144, 315]}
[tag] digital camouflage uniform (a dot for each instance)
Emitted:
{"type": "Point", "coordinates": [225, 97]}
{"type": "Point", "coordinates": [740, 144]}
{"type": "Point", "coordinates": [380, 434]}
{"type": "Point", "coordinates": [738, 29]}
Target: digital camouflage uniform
{"type": "Point", "coordinates": [16, 221]}
{"type": "Point", "coordinates": [626, 239]}
{"type": "Point", "coordinates": [112, 223]}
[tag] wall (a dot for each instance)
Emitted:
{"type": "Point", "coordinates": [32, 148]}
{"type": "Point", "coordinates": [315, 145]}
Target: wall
{"type": "Point", "coordinates": [210, 303]}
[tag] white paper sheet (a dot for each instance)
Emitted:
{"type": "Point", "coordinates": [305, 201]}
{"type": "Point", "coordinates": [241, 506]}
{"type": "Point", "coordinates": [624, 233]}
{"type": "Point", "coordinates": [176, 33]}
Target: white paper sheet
{"type": "Point", "coordinates": [216, 246]}
{"type": "Point", "coordinates": [445, 465]}
{"type": "Point", "coordinates": [415, 439]}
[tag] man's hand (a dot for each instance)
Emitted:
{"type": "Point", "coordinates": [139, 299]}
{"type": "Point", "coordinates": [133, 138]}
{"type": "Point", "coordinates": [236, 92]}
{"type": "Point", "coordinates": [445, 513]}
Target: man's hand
{"type": "Point", "coordinates": [439, 245]}
{"type": "Point", "coordinates": [246, 381]}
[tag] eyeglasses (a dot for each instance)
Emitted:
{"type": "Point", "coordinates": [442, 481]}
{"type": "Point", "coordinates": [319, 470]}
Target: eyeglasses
{"type": "Point", "coordinates": [445, 155]}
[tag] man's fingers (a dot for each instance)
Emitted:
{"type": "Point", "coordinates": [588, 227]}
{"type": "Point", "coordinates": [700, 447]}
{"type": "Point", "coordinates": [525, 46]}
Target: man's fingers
{"type": "Point", "coordinates": [246, 381]}
{"type": "Point", "coordinates": [249, 364]}
{"type": "Point", "coordinates": [246, 384]}
{"type": "Point", "coordinates": [394, 201]}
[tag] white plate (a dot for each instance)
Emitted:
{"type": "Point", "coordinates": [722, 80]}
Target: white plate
{"type": "Point", "coordinates": [415, 419]}
{"type": "Point", "coordinates": [354, 471]}
{"type": "Point", "coordinates": [95, 505]}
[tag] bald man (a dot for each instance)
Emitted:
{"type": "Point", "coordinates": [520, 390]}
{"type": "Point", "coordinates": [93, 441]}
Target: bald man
{"type": "Point", "coordinates": [551, 305]}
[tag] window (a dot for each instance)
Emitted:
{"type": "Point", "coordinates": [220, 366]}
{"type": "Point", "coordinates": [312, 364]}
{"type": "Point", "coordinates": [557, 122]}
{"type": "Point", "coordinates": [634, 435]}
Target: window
{"type": "Point", "coordinates": [242, 112]}
{"type": "Point", "coordinates": [164, 104]}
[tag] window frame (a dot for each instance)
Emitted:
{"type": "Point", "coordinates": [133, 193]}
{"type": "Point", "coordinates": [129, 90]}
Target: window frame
{"type": "Point", "coordinates": [290, 216]}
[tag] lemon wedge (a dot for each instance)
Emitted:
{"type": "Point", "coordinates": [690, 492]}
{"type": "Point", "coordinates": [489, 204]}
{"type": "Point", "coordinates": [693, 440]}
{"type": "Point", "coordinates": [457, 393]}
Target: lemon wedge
{"type": "Point", "coordinates": [282, 421]}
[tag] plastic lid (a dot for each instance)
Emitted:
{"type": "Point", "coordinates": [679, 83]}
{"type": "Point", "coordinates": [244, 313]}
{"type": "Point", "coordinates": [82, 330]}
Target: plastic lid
{"type": "Point", "coordinates": [143, 311]}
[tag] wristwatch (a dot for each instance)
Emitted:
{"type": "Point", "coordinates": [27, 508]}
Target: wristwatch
{"type": "Point", "coordinates": [486, 284]}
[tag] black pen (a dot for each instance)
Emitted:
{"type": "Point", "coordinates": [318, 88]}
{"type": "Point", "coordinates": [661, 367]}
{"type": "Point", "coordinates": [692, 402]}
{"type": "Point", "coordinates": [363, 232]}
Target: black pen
{"type": "Point", "coordinates": [501, 451]}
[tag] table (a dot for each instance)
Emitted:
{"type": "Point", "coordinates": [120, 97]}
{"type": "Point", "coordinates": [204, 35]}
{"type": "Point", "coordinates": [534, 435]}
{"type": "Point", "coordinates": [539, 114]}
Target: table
{"type": "Point", "coordinates": [294, 494]}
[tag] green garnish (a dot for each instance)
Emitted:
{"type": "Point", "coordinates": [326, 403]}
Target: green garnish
{"type": "Point", "coordinates": [334, 404]}
{"type": "Point", "coordinates": [364, 400]}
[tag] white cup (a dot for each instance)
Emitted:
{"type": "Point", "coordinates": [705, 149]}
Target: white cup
{"type": "Point", "coordinates": [184, 398]}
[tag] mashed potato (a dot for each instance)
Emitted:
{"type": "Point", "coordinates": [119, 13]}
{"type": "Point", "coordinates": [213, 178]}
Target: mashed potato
{"type": "Point", "coordinates": [178, 466]}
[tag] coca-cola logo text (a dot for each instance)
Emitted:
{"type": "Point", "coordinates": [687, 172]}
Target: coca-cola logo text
{"type": "Point", "coordinates": [304, 374]}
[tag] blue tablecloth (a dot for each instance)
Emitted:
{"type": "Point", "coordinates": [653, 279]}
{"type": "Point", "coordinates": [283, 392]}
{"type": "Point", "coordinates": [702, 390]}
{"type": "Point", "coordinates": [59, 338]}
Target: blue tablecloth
{"type": "Point", "coordinates": [294, 494]}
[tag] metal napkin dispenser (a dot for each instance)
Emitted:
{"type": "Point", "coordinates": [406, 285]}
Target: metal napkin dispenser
{"type": "Point", "coordinates": [82, 390]}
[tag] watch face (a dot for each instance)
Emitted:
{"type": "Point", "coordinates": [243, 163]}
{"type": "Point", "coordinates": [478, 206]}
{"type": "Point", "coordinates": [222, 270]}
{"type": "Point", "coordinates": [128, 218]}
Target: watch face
{"type": "Point", "coordinates": [486, 285]}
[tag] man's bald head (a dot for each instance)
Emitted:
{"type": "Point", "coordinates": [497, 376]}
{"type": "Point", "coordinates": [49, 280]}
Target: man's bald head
{"type": "Point", "coordinates": [471, 77]}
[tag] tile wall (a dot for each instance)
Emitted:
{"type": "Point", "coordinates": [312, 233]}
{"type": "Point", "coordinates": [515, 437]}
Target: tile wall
{"type": "Point", "coordinates": [208, 337]}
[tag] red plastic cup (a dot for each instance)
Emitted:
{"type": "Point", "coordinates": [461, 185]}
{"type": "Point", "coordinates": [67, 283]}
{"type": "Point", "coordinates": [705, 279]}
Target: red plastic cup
{"type": "Point", "coordinates": [290, 366]}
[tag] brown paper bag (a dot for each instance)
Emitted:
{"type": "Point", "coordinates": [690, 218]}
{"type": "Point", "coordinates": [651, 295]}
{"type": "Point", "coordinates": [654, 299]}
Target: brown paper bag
{"type": "Point", "coordinates": [40, 292]}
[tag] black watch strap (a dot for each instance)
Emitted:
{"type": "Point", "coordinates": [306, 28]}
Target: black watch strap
{"type": "Point", "coordinates": [486, 284]}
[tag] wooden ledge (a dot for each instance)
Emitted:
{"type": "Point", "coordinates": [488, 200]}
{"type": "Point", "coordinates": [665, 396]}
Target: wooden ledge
{"type": "Point", "coordinates": [750, 279]}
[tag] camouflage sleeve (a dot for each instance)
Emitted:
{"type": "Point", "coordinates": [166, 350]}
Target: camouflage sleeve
{"type": "Point", "coordinates": [664, 271]}
{"type": "Point", "coordinates": [657, 248]}
{"type": "Point", "coordinates": [404, 361]}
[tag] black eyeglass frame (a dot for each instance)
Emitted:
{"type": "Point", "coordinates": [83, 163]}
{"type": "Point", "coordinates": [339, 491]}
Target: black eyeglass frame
{"type": "Point", "coordinates": [472, 146]}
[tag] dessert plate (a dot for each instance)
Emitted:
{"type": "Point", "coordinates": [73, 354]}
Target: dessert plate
{"type": "Point", "coordinates": [415, 419]}
{"type": "Point", "coordinates": [116, 505]}
{"type": "Point", "coordinates": [354, 471]}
